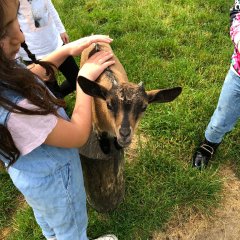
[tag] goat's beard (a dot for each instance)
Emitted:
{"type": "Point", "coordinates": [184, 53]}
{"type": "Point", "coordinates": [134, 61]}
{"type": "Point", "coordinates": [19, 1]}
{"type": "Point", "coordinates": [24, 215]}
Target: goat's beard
{"type": "Point", "coordinates": [124, 142]}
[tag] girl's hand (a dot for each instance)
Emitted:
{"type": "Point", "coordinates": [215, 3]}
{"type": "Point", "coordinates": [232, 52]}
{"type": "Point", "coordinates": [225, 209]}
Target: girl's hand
{"type": "Point", "coordinates": [65, 38]}
{"type": "Point", "coordinates": [96, 64]}
{"type": "Point", "coordinates": [76, 47]}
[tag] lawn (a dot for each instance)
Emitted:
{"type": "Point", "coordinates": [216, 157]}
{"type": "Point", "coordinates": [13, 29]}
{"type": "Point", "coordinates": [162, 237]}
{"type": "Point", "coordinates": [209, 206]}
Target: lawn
{"type": "Point", "coordinates": [163, 43]}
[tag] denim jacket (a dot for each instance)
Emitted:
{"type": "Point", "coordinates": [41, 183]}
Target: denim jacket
{"type": "Point", "coordinates": [45, 159]}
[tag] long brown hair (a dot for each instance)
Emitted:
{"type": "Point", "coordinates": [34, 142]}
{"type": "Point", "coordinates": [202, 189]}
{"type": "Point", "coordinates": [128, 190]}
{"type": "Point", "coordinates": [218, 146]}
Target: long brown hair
{"type": "Point", "coordinates": [23, 82]}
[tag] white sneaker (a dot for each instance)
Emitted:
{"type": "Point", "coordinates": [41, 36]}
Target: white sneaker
{"type": "Point", "coordinates": [107, 237]}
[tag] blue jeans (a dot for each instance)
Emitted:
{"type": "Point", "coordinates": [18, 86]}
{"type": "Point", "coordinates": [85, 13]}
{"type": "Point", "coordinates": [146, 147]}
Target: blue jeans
{"type": "Point", "coordinates": [58, 200]}
{"type": "Point", "coordinates": [228, 109]}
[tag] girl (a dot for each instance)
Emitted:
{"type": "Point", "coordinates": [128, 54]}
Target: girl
{"type": "Point", "coordinates": [38, 141]}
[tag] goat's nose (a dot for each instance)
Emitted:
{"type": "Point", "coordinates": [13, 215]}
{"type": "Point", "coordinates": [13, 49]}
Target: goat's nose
{"type": "Point", "coordinates": [125, 132]}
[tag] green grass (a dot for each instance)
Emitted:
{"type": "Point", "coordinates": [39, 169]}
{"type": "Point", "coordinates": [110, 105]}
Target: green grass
{"type": "Point", "coordinates": [163, 43]}
{"type": "Point", "coordinates": [8, 200]}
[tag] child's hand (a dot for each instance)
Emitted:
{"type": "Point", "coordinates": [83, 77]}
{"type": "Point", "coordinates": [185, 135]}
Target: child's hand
{"type": "Point", "coordinates": [64, 37]}
{"type": "Point", "coordinates": [76, 47]}
{"type": "Point", "coordinates": [96, 64]}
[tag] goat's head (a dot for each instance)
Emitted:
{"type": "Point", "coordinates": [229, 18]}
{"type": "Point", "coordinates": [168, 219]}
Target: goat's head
{"type": "Point", "coordinates": [126, 102]}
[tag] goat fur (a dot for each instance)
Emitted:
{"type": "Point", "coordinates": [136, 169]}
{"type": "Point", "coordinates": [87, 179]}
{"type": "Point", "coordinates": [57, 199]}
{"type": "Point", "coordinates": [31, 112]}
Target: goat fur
{"type": "Point", "coordinates": [114, 80]}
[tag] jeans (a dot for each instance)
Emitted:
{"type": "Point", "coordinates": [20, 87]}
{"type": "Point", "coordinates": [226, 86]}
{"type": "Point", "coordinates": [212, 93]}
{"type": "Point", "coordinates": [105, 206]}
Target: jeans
{"type": "Point", "coordinates": [58, 200]}
{"type": "Point", "coordinates": [227, 111]}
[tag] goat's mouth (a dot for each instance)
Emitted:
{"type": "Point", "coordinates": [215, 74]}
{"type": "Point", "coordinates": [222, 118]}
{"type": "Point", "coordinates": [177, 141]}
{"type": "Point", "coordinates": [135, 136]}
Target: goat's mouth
{"type": "Point", "coordinates": [124, 142]}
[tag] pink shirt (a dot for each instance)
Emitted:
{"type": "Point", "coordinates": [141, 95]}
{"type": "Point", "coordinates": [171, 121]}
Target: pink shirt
{"type": "Point", "coordinates": [235, 35]}
{"type": "Point", "coordinates": [30, 131]}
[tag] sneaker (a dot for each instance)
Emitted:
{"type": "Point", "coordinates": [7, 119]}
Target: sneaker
{"type": "Point", "coordinates": [204, 153]}
{"type": "Point", "coordinates": [107, 237]}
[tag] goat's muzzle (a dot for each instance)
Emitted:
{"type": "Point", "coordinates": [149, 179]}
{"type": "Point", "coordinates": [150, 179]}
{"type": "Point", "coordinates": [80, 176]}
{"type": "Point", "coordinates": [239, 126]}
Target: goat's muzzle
{"type": "Point", "coordinates": [124, 137]}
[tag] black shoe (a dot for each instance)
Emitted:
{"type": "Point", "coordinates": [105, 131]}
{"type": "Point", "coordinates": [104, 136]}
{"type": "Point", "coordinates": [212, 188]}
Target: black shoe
{"type": "Point", "coordinates": [204, 153]}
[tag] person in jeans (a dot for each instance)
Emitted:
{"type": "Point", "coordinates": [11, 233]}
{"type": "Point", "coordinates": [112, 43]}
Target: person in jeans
{"type": "Point", "coordinates": [227, 111]}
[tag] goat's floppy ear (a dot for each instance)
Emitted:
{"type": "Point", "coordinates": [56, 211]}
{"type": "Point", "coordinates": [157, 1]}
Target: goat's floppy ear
{"type": "Point", "coordinates": [163, 95]}
{"type": "Point", "coordinates": [92, 88]}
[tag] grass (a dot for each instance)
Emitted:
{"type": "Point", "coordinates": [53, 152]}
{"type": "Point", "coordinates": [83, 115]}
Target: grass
{"type": "Point", "coordinates": [163, 43]}
{"type": "Point", "coordinates": [8, 200]}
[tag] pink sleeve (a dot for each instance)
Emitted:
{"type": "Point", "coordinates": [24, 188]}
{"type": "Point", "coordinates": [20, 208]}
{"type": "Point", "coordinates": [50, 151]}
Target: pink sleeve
{"type": "Point", "coordinates": [30, 131]}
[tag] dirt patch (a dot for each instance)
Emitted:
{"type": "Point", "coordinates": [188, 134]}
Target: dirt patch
{"type": "Point", "coordinates": [224, 225]}
{"type": "Point", "coordinates": [5, 232]}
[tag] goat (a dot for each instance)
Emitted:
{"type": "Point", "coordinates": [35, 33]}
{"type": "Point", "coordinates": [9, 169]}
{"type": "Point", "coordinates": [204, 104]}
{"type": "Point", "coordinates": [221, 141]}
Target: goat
{"type": "Point", "coordinates": [118, 104]}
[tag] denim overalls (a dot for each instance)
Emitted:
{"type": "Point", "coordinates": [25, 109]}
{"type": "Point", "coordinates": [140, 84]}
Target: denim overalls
{"type": "Point", "coordinates": [51, 180]}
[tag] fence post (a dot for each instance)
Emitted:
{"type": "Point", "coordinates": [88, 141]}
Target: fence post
{"type": "Point", "coordinates": [103, 175]}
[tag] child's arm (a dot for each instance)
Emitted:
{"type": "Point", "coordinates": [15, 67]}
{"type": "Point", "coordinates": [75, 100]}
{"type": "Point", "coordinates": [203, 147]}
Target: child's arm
{"type": "Point", "coordinates": [74, 48]}
{"type": "Point", "coordinates": [55, 16]}
{"type": "Point", "coordinates": [76, 132]}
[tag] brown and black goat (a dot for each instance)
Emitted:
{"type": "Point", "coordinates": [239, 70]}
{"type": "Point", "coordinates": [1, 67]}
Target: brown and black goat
{"type": "Point", "coordinates": [118, 104]}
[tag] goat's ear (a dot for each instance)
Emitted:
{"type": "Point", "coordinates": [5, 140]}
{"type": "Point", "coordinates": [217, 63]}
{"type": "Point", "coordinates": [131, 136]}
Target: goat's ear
{"type": "Point", "coordinates": [163, 95]}
{"type": "Point", "coordinates": [92, 88]}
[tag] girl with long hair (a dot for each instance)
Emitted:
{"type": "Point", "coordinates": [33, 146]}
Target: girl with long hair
{"type": "Point", "coordinates": [38, 142]}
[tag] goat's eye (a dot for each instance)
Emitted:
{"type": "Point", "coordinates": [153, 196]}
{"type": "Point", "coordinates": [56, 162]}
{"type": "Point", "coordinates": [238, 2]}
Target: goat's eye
{"type": "Point", "coordinates": [109, 106]}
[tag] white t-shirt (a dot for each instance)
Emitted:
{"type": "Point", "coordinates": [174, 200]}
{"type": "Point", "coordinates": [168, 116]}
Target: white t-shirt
{"type": "Point", "coordinates": [41, 26]}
